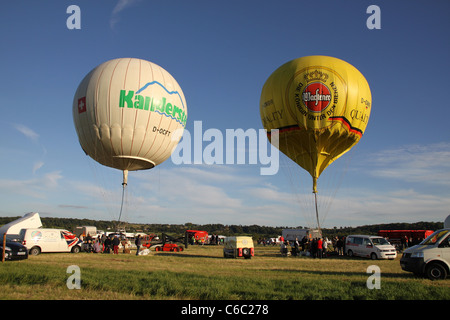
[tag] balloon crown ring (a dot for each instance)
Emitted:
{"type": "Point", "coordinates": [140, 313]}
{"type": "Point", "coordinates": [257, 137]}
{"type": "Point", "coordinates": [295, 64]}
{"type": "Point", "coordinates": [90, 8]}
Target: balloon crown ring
{"type": "Point", "coordinates": [316, 75]}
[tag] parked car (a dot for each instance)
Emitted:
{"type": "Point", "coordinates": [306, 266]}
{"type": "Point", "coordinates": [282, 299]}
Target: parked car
{"type": "Point", "coordinates": [172, 247]}
{"type": "Point", "coordinates": [238, 247]}
{"type": "Point", "coordinates": [39, 240]}
{"type": "Point", "coordinates": [431, 257]}
{"type": "Point", "coordinates": [14, 250]}
{"type": "Point", "coordinates": [373, 247]}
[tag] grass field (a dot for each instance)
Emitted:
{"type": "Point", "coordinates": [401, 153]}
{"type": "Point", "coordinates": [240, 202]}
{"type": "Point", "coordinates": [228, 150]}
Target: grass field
{"type": "Point", "coordinates": [201, 273]}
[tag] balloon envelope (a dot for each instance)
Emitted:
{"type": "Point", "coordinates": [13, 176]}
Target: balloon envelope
{"type": "Point", "coordinates": [128, 114]}
{"type": "Point", "coordinates": [321, 106]}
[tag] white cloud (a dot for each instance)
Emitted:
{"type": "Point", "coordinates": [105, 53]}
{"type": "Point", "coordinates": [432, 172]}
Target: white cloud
{"type": "Point", "coordinates": [366, 206]}
{"type": "Point", "coordinates": [37, 166]}
{"type": "Point", "coordinates": [27, 132]}
{"type": "Point", "coordinates": [120, 6]}
{"type": "Point", "coordinates": [234, 195]}
{"type": "Point", "coordinates": [37, 187]}
{"type": "Point", "coordinates": [195, 187]}
{"type": "Point", "coordinates": [413, 163]}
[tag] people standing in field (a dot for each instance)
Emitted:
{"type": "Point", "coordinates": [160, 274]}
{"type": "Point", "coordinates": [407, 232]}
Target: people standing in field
{"type": "Point", "coordinates": [325, 246]}
{"type": "Point", "coordinates": [107, 245]}
{"type": "Point", "coordinates": [115, 243]}
{"type": "Point", "coordinates": [340, 246]}
{"type": "Point", "coordinates": [304, 243]}
{"type": "Point", "coordinates": [319, 248]}
{"type": "Point", "coordinates": [313, 248]}
{"type": "Point", "coordinates": [138, 243]}
{"type": "Point", "coordinates": [96, 248]}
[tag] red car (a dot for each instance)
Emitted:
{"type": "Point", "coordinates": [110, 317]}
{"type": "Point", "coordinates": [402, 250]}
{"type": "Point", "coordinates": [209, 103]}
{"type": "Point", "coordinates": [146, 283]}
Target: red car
{"type": "Point", "coordinates": [169, 247]}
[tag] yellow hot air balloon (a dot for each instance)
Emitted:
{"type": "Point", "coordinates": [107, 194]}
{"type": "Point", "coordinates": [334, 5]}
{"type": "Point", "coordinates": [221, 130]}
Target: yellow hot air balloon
{"type": "Point", "coordinates": [321, 106]}
{"type": "Point", "coordinates": [129, 114]}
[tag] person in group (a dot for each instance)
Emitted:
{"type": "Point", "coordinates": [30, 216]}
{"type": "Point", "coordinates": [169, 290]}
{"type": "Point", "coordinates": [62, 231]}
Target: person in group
{"type": "Point", "coordinates": [96, 248]}
{"type": "Point", "coordinates": [102, 239]}
{"type": "Point", "coordinates": [340, 246]}
{"type": "Point", "coordinates": [283, 249]}
{"type": "Point", "coordinates": [304, 243]}
{"type": "Point", "coordinates": [334, 244]}
{"type": "Point", "coordinates": [88, 243]}
{"type": "Point", "coordinates": [107, 245]}
{"type": "Point", "coordinates": [313, 247]}
{"type": "Point", "coordinates": [138, 243]}
{"type": "Point", "coordinates": [325, 246]}
{"type": "Point", "coordinates": [319, 248]}
{"type": "Point", "coordinates": [115, 243]}
{"type": "Point", "coordinates": [295, 250]}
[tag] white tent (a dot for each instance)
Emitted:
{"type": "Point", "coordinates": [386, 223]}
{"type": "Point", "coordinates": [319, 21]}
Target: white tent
{"type": "Point", "coordinates": [12, 229]}
{"type": "Point", "coordinates": [447, 222]}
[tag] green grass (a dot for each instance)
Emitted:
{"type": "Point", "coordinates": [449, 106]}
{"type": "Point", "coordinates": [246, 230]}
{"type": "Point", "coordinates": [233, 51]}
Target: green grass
{"type": "Point", "coordinates": [202, 273]}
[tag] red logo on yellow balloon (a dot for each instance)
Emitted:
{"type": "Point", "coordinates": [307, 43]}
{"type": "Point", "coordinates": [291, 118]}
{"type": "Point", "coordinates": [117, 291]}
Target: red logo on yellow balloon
{"type": "Point", "coordinates": [316, 97]}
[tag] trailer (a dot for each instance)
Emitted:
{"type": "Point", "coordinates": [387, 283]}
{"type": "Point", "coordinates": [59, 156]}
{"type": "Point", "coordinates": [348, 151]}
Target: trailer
{"type": "Point", "coordinates": [85, 231]}
{"type": "Point", "coordinates": [299, 234]}
{"type": "Point", "coordinates": [399, 238]}
{"type": "Point", "coordinates": [197, 236]}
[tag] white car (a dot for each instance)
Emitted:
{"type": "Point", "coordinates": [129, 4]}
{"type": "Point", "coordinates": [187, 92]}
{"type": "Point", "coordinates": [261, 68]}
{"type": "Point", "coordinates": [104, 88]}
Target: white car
{"type": "Point", "coordinates": [431, 257]}
{"type": "Point", "coordinates": [373, 247]}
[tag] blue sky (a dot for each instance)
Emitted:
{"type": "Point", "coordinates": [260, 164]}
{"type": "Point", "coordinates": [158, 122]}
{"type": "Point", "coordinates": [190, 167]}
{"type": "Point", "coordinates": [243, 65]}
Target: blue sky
{"type": "Point", "coordinates": [221, 53]}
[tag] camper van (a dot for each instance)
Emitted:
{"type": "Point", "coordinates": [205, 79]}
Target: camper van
{"type": "Point", "coordinates": [39, 240]}
{"type": "Point", "coordinates": [373, 247]}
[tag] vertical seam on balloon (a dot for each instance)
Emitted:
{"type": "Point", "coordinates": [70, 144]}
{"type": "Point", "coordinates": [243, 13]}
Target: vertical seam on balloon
{"type": "Point", "coordinates": [167, 145]}
{"type": "Point", "coordinates": [155, 154]}
{"type": "Point", "coordinates": [170, 144]}
{"type": "Point", "coordinates": [154, 139]}
{"type": "Point", "coordinates": [96, 112]}
{"type": "Point", "coordinates": [123, 111]}
{"type": "Point", "coordinates": [149, 116]}
{"type": "Point", "coordinates": [135, 118]}
{"type": "Point", "coordinates": [160, 120]}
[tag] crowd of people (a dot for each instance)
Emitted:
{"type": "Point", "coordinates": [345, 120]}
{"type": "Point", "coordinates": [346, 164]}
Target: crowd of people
{"type": "Point", "coordinates": [103, 243]}
{"type": "Point", "coordinates": [315, 247]}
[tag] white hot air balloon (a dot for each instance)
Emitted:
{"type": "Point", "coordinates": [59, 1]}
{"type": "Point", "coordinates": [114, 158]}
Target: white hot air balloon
{"type": "Point", "coordinates": [129, 114]}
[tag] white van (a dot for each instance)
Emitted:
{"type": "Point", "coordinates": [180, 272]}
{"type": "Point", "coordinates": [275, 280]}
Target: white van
{"type": "Point", "coordinates": [431, 257]}
{"type": "Point", "coordinates": [39, 240]}
{"type": "Point", "coordinates": [373, 247]}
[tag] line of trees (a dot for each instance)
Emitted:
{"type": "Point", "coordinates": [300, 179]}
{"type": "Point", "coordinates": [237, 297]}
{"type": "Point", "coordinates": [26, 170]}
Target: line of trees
{"type": "Point", "coordinates": [226, 230]}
